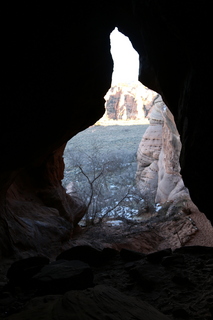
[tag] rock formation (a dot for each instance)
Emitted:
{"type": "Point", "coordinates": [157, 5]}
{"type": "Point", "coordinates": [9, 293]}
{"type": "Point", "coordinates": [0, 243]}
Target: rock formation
{"type": "Point", "coordinates": [172, 39]}
{"type": "Point", "coordinates": [49, 65]}
{"type": "Point", "coordinates": [39, 214]}
{"type": "Point", "coordinates": [161, 285]}
{"type": "Point", "coordinates": [56, 69]}
{"type": "Point", "coordinates": [94, 303]}
{"type": "Point", "coordinates": [128, 101]}
{"type": "Point", "coordinates": [158, 173]}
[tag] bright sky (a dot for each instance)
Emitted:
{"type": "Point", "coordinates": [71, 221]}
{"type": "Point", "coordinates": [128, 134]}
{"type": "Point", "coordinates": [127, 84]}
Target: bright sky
{"type": "Point", "coordinates": [126, 59]}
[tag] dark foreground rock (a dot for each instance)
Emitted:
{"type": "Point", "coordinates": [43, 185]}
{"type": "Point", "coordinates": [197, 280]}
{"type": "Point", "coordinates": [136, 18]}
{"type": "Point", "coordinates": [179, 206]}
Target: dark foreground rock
{"type": "Point", "coordinates": [88, 254]}
{"type": "Point", "coordinates": [21, 271]}
{"type": "Point", "coordinates": [131, 255]}
{"type": "Point", "coordinates": [100, 302]}
{"type": "Point", "coordinates": [178, 283]}
{"type": "Point", "coordinates": [83, 253]}
{"type": "Point", "coordinates": [61, 276]}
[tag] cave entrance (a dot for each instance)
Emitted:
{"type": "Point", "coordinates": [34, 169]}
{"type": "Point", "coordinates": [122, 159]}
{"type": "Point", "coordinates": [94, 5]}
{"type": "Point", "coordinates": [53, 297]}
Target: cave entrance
{"type": "Point", "coordinates": [101, 161]}
{"type": "Point", "coordinates": [116, 167]}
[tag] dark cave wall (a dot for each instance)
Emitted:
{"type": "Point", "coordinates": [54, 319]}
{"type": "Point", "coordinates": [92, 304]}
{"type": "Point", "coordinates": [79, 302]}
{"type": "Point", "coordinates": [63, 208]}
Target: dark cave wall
{"type": "Point", "coordinates": [173, 40]}
{"type": "Point", "coordinates": [57, 67]}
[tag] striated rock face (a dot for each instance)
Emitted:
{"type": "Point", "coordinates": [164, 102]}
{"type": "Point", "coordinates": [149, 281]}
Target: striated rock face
{"type": "Point", "coordinates": [158, 173]}
{"type": "Point", "coordinates": [129, 101]}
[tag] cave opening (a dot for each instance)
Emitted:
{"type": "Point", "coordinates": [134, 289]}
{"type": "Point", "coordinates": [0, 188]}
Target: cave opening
{"type": "Point", "coordinates": [49, 59]}
{"type": "Point", "coordinates": [125, 168]}
{"type": "Point", "coordinates": [101, 161]}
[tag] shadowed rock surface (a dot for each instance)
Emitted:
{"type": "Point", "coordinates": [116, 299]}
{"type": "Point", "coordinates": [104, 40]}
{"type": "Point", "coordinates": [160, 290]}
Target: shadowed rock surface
{"type": "Point", "coordinates": [101, 302]}
{"type": "Point", "coordinates": [175, 55]}
{"type": "Point", "coordinates": [61, 276]}
{"type": "Point", "coordinates": [57, 68]}
{"type": "Point", "coordinates": [50, 59]}
{"type": "Point", "coordinates": [162, 285]}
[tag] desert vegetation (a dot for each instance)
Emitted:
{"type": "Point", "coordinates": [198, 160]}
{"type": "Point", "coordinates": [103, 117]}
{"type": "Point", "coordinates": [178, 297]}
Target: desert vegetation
{"type": "Point", "coordinates": [100, 165]}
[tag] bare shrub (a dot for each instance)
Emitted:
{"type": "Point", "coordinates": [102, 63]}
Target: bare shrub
{"type": "Point", "coordinates": [105, 182]}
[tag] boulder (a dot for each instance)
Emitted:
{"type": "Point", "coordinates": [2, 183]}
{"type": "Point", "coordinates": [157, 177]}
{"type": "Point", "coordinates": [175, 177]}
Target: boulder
{"type": "Point", "coordinates": [195, 250]}
{"type": "Point", "coordinates": [147, 275]}
{"type": "Point", "coordinates": [83, 253]}
{"type": "Point", "coordinates": [157, 256]}
{"type": "Point", "coordinates": [21, 271]}
{"type": "Point", "coordinates": [131, 255]}
{"type": "Point", "coordinates": [61, 276]}
{"type": "Point", "coordinates": [88, 254]}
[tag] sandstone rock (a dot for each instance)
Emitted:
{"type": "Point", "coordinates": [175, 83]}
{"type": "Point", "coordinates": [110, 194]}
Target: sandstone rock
{"type": "Point", "coordinates": [108, 254]}
{"type": "Point", "coordinates": [147, 275]}
{"type": "Point", "coordinates": [165, 66]}
{"type": "Point", "coordinates": [39, 214]}
{"type": "Point", "coordinates": [157, 256]}
{"type": "Point", "coordinates": [176, 260]}
{"type": "Point", "coordinates": [131, 255]}
{"type": "Point", "coordinates": [100, 302]}
{"type": "Point", "coordinates": [41, 113]}
{"type": "Point", "coordinates": [88, 254]}
{"type": "Point", "coordinates": [169, 283]}
{"type": "Point", "coordinates": [43, 105]}
{"type": "Point", "coordinates": [21, 271]}
{"type": "Point", "coordinates": [61, 276]}
{"type": "Point", "coordinates": [195, 250]}
{"type": "Point", "coordinates": [129, 101]}
{"type": "Point", "coordinates": [158, 171]}
{"type": "Point", "coordinates": [84, 253]}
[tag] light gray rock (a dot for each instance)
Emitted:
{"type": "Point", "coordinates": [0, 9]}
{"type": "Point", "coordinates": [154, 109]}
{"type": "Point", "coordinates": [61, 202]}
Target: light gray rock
{"type": "Point", "coordinates": [158, 171]}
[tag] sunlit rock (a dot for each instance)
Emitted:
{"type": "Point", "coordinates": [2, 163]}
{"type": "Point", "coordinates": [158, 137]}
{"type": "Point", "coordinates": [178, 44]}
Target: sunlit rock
{"type": "Point", "coordinates": [158, 173]}
{"type": "Point", "coordinates": [129, 101]}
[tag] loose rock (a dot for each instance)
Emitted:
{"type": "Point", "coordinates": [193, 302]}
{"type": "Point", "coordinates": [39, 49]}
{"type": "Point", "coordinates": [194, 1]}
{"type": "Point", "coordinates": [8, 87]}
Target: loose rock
{"type": "Point", "coordinates": [61, 276]}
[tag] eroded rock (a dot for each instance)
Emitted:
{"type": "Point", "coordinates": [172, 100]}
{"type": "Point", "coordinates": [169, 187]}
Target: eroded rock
{"type": "Point", "coordinates": [56, 72]}
{"type": "Point", "coordinates": [45, 104]}
{"type": "Point", "coordinates": [158, 173]}
{"type": "Point", "coordinates": [61, 276]}
{"type": "Point", "coordinates": [100, 302]}
{"type": "Point", "coordinates": [177, 283]}
{"type": "Point", "coordinates": [129, 101]}
{"type": "Point", "coordinates": [84, 253]}
{"type": "Point", "coordinates": [21, 271]}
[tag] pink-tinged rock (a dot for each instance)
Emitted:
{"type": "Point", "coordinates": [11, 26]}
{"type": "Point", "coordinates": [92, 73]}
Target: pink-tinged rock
{"type": "Point", "coordinates": [129, 101]}
{"type": "Point", "coordinates": [158, 171]}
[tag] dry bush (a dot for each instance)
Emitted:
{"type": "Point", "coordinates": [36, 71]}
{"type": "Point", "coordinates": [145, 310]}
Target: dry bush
{"type": "Point", "coordinates": [105, 182]}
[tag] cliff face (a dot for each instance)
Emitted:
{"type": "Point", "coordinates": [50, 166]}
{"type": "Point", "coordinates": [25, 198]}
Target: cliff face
{"type": "Point", "coordinates": [172, 39]}
{"type": "Point", "coordinates": [128, 101]}
{"type": "Point", "coordinates": [158, 172]}
{"type": "Point", "coordinates": [56, 68]}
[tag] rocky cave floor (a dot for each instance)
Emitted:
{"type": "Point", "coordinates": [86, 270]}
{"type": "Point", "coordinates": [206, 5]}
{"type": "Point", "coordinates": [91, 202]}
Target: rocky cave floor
{"type": "Point", "coordinates": [109, 270]}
